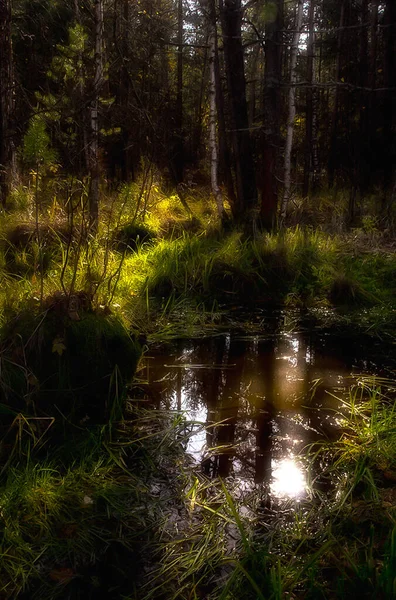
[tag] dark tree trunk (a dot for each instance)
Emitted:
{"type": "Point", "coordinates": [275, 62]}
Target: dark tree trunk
{"type": "Point", "coordinates": [389, 116]}
{"type": "Point", "coordinates": [94, 165]}
{"type": "Point", "coordinates": [178, 159]}
{"type": "Point", "coordinates": [225, 159]}
{"type": "Point", "coordinates": [231, 18]}
{"type": "Point", "coordinates": [310, 158]}
{"type": "Point", "coordinates": [7, 153]}
{"type": "Point", "coordinates": [334, 114]}
{"type": "Point", "coordinates": [127, 167]}
{"type": "Point", "coordinates": [272, 109]}
{"type": "Point", "coordinates": [361, 144]}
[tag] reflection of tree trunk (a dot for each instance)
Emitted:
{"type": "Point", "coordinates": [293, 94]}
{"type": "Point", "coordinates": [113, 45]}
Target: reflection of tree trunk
{"type": "Point", "coordinates": [229, 406]}
{"type": "Point", "coordinates": [266, 352]}
{"type": "Point", "coordinates": [179, 390]}
{"type": "Point", "coordinates": [213, 394]}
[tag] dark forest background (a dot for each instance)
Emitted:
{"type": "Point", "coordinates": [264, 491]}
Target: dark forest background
{"type": "Point", "coordinates": [278, 101]}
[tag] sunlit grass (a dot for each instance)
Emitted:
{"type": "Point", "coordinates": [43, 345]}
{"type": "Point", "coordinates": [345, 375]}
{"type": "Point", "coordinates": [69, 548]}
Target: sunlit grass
{"type": "Point", "coordinates": [299, 267]}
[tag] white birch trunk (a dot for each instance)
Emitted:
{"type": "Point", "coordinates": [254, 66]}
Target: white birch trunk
{"type": "Point", "coordinates": [292, 109]}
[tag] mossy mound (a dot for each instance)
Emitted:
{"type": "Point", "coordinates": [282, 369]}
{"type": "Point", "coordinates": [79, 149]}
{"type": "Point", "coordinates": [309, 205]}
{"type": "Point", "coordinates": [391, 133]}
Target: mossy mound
{"type": "Point", "coordinates": [229, 283]}
{"type": "Point", "coordinates": [69, 358]}
{"type": "Point", "coordinates": [130, 236]}
{"type": "Point", "coordinates": [28, 248]}
{"type": "Point", "coordinates": [174, 228]}
{"type": "Point", "coordinates": [346, 292]}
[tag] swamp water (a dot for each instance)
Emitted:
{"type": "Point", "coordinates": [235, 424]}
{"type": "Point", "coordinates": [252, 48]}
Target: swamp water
{"type": "Point", "coordinates": [255, 403]}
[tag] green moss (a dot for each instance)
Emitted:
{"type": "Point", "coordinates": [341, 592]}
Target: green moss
{"type": "Point", "coordinates": [68, 356]}
{"type": "Point", "coordinates": [131, 236]}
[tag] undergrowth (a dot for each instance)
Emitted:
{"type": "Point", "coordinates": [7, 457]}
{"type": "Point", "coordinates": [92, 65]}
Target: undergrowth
{"type": "Point", "coordinates": [147, 265]}
{"type": "Point", "coordinates": [80, 519]}
{"type": "Point", "coordinates": [111, 508]}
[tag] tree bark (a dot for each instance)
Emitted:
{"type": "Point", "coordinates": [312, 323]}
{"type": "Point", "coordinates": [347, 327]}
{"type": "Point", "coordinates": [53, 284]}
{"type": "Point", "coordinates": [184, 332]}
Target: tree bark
{"type": "Point", "coordinates": [94, 142]}
{"type": "Point", "coordinates": [231, 20]}
{"type": "Point", "coordinates": [225, 159]}
{"type": "Point", "coordinates": [82, 119]}
{"type": "Point", "coordinates": [334, 114]}
{"type": "Point", "coordinates": [389, 116]}
{"type": "Point", "coordinates": [272, 110]}
{"type": "Point", "coordinates": [178, 160]}
{"type": "Point", "coordinates": [291, 109]}
{"type": "Point", "coordinates": [311, 150]}
{"type": "Point", "coordinates": [7, 150]}
{"type": "Point", "coordinates": [213, 128]}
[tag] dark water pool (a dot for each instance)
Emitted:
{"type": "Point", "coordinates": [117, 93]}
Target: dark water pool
{"type": "Point", "coordinates": [257, 401]}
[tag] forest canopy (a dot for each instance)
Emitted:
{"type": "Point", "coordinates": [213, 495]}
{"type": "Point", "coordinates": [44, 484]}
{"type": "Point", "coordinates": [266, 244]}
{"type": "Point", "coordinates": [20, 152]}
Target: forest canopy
{"type": "Point", "coordinates": [272, 101]}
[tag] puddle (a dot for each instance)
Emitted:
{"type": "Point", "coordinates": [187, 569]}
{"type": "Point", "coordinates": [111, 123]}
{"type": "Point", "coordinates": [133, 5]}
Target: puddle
{"type": "Point", "coordinates": [257, 402]}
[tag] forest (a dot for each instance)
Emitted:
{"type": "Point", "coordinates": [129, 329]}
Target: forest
{"type": "Point", "coordinates": [197, 299]}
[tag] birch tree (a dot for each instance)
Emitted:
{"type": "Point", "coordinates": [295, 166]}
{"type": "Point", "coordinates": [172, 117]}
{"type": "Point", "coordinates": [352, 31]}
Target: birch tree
{"type": "Point", "coordinates": [291, 108]}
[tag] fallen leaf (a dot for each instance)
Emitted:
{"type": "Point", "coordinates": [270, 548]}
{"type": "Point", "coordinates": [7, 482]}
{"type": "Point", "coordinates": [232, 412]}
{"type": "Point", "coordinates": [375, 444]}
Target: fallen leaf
{"type": "Point", "coordinates": [62, 576]}
{"type": "Point", "coordinates": [58, 346]}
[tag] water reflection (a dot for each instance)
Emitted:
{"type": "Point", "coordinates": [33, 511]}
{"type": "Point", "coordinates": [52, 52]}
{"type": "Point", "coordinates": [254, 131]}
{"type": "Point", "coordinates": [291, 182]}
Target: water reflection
{"type": "Point", "coordinates": [288, 479]}
{"type": "Point", "coordinates": [260, 402]}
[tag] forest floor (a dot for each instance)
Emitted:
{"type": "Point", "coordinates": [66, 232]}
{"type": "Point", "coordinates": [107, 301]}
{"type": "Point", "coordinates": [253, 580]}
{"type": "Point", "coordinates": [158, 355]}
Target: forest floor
{"type": "Point", "coordinates": [96, 493]}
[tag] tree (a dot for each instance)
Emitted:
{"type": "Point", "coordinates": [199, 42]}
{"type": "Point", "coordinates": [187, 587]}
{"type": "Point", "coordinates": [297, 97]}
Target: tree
{"type": "Point", "coordinates": [272, 112]}
{"type": "Point", "coordinates": [209, 9]}
{"type": "Point", "coordinates": [389, 112]}
{"type": "Point", "coordinates": [7, 104]}
{"type": "Point", "coordinates": [231, 20]}
{"type": "Point", "coordinates": [178, 161]}
{"type": "Point", "coordinates": [334, 112]}
{"type": "Point", "coordinates": [291, 108]}
{"type": "Point", "coordinates": [311, 166]}
{"type": "Point", "coordinates": [94, 162]}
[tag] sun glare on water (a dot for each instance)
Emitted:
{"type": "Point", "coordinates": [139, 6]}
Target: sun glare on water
{"type": "Point", "coordinates": [288, 479]}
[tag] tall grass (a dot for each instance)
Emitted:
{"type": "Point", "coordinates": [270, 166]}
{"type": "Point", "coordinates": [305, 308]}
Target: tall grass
{"type": "Point", "coordinates": [82, 518]}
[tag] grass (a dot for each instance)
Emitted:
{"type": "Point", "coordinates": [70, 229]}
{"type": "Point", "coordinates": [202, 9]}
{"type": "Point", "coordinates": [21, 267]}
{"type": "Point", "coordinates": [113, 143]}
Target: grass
{"type": "Point", "coordinates": [81, 518]}
{"type": "Point", "coordinates": [335, 545]}
{"type": "Point", "coordinates": [147, 267]}
{"type": "Point", "coordinates": [114, 507]}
